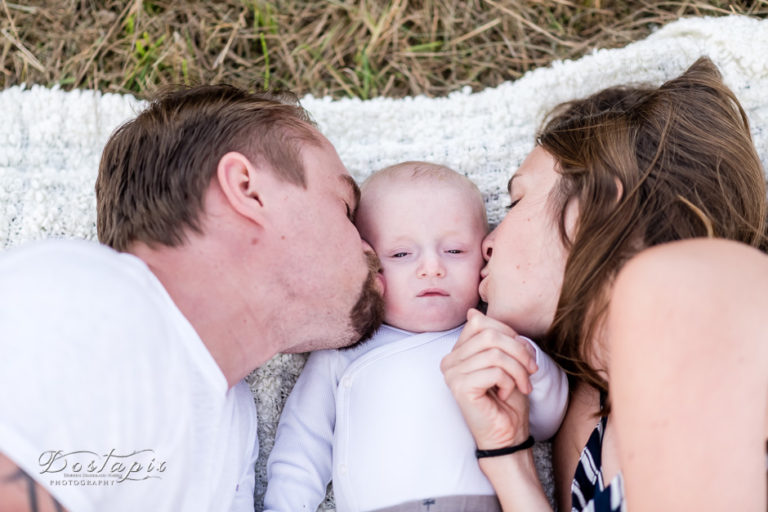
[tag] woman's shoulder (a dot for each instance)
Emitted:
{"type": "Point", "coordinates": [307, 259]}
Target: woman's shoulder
{"type": "Point", "coordinates": [680, 286]}
{"type": "Point", "coordinates": [694, 258]}
{"type": "Point", "coordinates": [688, 372]}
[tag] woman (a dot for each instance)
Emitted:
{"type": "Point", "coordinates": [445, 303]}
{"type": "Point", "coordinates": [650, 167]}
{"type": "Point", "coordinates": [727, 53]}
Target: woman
{"type": "Point", "coordinates": [666, 343]}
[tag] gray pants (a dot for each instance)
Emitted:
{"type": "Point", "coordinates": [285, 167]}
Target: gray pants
{"type": "Point", "coordinates": [448, 504]}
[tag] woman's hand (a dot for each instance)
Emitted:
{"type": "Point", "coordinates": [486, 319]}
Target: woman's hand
{"type": "Point", "coordinates": [488, 373]}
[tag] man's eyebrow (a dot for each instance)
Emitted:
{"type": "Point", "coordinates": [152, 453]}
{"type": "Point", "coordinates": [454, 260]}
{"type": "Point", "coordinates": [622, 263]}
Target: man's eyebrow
{"type": "Point", "coordinates": [350, 181]}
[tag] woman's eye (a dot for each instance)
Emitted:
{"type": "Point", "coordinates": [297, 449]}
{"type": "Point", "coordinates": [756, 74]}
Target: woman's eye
{"type": "Point", "coordinates": [512, 204]}
{"type": "Point", "coordinates": [400, 254]}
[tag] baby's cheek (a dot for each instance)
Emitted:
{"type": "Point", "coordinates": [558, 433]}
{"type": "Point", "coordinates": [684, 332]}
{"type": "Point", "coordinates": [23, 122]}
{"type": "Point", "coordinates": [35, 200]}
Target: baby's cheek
{"type": "Point", "coordinates": [472, 298]}
{"type": "Point", "coordinates": [390, 303]}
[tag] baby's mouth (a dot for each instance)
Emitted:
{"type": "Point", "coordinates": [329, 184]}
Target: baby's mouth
{"type": "Point", "coordinates": [433, 292]}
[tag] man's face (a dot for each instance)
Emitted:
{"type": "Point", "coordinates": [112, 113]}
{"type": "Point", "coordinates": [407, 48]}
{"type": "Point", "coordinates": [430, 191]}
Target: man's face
{"type": "Point", "coordinates": [327, 274]}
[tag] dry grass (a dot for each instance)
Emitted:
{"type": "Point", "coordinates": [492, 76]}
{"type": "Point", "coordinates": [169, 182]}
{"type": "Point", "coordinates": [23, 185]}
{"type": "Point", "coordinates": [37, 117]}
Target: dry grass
{"type": "Point", "coordinates": [332, 47]}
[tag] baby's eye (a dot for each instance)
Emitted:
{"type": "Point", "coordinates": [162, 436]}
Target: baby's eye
{"type": "Point", "coordinates": [350, 213]}
{"type": "Point", "coordinates": [401, 254]}
{"type": "Point", "coordinates": [454, 251]}
{"type": "Point", "coordinates": [512, 204]}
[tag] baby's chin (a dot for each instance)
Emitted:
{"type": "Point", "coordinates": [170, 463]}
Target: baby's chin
{"type": "Point", "coordinates": [425, 324]}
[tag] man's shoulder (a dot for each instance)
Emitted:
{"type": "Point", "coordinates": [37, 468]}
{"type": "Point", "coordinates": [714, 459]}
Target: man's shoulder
{"type": "Point", "coordinates": [55, 247]}
{"type": "Point", "coordinates": [74, 275]}
{"type": "Point", "coordinates": [70, 297]}
{"type": "Point", "coordinates": [65, 260]}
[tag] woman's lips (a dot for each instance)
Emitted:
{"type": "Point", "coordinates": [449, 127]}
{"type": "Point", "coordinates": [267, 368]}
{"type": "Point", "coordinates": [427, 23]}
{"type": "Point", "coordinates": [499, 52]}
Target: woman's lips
{"type": "Point", "coordinates": [482, 288]}
{"type": "Point", "coordinates": [433, 292]}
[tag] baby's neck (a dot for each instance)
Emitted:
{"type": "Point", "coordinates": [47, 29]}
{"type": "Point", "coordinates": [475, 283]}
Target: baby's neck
{"type": "Point", "coordinates": [410, 331]}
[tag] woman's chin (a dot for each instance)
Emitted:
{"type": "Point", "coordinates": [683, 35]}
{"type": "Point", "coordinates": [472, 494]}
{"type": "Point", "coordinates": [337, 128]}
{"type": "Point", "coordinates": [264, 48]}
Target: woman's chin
{"type": "Point", "coordinates": [519, 322]}
{"type": "Point", "coordinates": [496, 314]}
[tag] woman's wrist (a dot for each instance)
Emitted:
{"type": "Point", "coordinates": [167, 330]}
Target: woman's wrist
{"type": "Point", "coordinates": [516, 481]}
{"type": "Point", "coordinates": [515, 435]}
{"type": "Point", "coordinates": [506, 450]}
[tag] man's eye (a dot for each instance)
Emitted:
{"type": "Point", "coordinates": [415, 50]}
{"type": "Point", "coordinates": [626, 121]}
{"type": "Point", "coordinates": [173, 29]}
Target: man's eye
{"type": "Point", "coordinates": [402, 254]}
{"type": "Point", "coordinates": [512, 204]}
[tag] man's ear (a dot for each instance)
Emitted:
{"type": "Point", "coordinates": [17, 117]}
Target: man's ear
{"type": "Point", "coordinates": [238, 178]}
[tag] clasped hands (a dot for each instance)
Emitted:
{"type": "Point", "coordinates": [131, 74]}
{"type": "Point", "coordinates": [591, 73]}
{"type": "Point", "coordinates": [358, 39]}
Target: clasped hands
{"type": "Point", "coordinates": [488, 371]}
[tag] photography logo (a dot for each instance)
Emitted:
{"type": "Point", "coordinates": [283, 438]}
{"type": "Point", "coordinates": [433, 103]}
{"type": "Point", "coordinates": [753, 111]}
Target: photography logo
{"type": "Point", "coordinates": [87, 468]}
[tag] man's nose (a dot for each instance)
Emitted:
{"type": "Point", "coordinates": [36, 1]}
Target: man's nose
{"type": "Point", "coordinates": [431, 266]}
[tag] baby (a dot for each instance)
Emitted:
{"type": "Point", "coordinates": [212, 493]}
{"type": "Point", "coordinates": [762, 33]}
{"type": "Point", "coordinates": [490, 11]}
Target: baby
{"type": "Point", "coordinates": [378, 418]}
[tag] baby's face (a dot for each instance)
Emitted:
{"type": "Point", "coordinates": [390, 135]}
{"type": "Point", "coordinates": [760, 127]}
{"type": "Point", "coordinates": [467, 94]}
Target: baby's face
{"type": "Point", "coordinates": [428, 236]}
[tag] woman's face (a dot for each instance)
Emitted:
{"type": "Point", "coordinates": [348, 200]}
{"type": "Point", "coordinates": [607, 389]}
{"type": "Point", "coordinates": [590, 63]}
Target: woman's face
{"type": "Point", "coordinates": [525, 255]}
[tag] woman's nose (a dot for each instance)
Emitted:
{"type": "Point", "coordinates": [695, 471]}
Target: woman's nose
{"type": "Point", "coordinates": [487, 246]}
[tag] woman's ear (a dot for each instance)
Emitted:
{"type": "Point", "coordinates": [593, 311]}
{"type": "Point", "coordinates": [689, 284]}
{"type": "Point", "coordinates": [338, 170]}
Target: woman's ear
{"type": "Point", "coordinates": [571, 218]}
{"type": "Point", "coordinates": [619, 189]}
{"type": "Point", "coordinates": [238, 178]}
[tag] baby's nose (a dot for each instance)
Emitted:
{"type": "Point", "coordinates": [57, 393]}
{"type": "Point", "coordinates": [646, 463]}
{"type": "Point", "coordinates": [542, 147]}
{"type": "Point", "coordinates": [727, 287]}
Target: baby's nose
{"type": "Point", "coordinates": [431, 266]}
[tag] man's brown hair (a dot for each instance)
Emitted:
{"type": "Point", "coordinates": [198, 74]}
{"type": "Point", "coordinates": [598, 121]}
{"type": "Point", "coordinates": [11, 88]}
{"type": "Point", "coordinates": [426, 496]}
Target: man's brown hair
{"type": "Point", "coordinates": [647, 165]}
{"type": "Point", "coordinates": [156, 168]}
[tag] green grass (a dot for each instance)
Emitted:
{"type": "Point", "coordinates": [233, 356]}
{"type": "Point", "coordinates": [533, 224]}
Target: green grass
{"type": "Point", "coordinates": [360, 48]}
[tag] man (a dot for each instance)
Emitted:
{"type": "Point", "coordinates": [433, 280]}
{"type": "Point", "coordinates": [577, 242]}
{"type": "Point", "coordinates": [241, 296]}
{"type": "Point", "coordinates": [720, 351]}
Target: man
{"type": "Point", "coordinates": [231, 219]}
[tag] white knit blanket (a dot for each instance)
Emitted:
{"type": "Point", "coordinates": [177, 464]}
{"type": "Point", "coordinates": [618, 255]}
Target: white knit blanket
{"type": "Point", "coordinates": [50, 142]}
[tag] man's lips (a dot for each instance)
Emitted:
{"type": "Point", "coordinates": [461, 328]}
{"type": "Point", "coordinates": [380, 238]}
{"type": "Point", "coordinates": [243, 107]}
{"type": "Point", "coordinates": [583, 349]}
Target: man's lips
{"type": "Point", "coordinates": [379, 280]}
{"type": "Point", "coordinates": [433, 292]}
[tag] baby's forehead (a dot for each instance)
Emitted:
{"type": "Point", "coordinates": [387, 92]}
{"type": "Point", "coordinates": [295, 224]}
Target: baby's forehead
{"type": "Point", "coordinates": [424, 194]}
{"type": "Point", "coordinates": [420, 177]}
{"type": "Point", "coordinates": [424, 197]}
{"type": "Point", "coordinates": [423, 185]}
{"type": "Point", "coordinates": [394, 190]}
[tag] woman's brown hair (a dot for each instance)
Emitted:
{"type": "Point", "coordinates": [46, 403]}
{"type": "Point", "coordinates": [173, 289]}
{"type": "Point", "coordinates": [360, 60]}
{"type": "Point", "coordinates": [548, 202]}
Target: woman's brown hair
{"type": "Point", "coordinates": [646, 165]}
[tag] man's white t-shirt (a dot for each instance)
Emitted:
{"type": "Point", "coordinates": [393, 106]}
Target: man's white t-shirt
{"type": "Point", "coordinates": [108, 397]}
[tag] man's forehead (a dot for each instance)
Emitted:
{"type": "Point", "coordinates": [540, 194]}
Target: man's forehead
{"type": "Point", "coordinates": [321, 160]}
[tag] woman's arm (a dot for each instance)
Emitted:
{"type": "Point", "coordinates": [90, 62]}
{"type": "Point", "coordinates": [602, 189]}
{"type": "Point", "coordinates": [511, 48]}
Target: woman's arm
{"type": "Point", "coordinates": [488, 373]}
{"type": "Point", "coordinates": [516, 483]}
{"type": "Point", "coordinates": [688, 338]}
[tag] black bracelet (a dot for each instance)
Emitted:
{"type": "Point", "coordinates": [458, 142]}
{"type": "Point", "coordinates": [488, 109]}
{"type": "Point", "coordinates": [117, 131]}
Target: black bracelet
{"type": "Point", "coordinates": [505, 451]}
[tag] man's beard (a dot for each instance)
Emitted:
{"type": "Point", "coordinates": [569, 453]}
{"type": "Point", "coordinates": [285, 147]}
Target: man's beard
{"type": "Point", "coordinates": [368, 313]}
